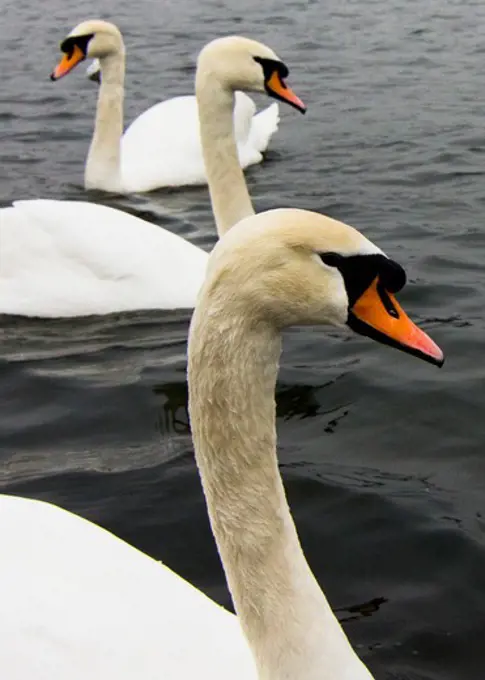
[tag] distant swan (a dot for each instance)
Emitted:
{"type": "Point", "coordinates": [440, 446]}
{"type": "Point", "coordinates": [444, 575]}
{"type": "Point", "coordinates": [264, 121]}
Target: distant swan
{"type": "Point", "coordinates": [79, 603]}
{"type": "Point", "coordinates": [67, 258]}
{"type": "Point", "coordinates": [162, 146]}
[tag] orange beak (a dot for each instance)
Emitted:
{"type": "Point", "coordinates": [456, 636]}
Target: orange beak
{"type": "Point", "coordinates": [277, 88]}
{"type": "Point", "coordinates": [378, 315]}
{"type": "Point", "coordinates": [67, 63]}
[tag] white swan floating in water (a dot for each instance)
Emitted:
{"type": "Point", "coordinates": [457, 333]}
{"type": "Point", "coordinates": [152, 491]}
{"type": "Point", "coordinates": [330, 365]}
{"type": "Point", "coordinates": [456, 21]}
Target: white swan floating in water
{"type": "Point", "coordinates": [73, 258]}
{"type": "Point", "coordinates": [67, 258]}
{"type": "Point", "coordinates": [79, 603]}
{"type": "Point", "coordinates": [162, 146]}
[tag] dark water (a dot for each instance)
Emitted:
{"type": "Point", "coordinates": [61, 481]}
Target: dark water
{"type": "Point", "coordinates": [382, 455]}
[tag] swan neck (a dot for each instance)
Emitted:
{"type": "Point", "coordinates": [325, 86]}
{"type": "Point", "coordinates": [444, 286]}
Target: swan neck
{"type": "Point", "coordinates": [103, 164]}
{"type": "Point", "coordinates": [227, 187]}
{"type": "Point", "coordinates": [233, 365]}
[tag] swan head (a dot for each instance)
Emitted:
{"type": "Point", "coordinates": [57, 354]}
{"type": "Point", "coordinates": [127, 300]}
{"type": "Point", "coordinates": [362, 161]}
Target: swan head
{"type": "Point", "coordinates": [242, 64]}
{"type": "Point", "coordinates": [294, 267]}
{"type": "Point", "coordinates": [95, 39]}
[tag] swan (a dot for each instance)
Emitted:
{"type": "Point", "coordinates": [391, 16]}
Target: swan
{"type": "Point", "coordinates": [252, 131]}
{"type": "Point", "coordinates": [74, 258]}
{"type": "Point", "coordinates": [68, 258]}
{"type": "Point", "coordinates": [162, 146]}
{"type": "Point", "coordinates": [78, 602]}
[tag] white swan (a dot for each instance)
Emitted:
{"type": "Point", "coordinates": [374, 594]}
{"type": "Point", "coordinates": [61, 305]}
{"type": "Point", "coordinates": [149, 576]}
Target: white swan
{"type": "Point", "coordinates": [79, 603]}
{"type": "Point", "coordinates": [162, 146]}
{"type": "Point", "coordinates": [160, 124]}
{"type": "Point", "coordinates": [64, 258]}
{"type": "Point", "coordinates": [71, 258]}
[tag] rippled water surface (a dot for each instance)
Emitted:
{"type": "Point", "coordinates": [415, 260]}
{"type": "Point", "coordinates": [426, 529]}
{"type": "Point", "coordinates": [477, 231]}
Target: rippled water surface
{"type": "Point", "coordinates": [382, 455]}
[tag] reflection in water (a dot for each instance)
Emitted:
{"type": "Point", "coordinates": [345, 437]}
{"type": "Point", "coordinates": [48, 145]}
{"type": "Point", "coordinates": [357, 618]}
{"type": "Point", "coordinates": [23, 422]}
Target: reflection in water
{"type": "Point", "coordinates": [294, 401]}
{"type": "Point", "coordinates": [172, 407]}
{"type": "Point", "coordinates": [362, 610]}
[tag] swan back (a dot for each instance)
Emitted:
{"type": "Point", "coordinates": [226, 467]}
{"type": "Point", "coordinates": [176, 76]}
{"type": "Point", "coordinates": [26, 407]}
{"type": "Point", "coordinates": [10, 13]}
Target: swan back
{"type": "Point", "coordinates": [149, 622]}
{"type": "Point", "coordinates": [74, 258]}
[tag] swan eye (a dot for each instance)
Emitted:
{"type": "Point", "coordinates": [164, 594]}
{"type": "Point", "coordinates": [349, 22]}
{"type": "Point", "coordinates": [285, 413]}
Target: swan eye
{"type": "Point", "coordinates": [81, 41]}
{"type": "Point", "coordinates": [359, 271]}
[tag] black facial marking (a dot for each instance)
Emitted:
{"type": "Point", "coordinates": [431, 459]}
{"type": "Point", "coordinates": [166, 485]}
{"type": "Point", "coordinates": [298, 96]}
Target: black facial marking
{"type": "Point", "coordinates": [270, 66]}
{"type": "Point", "coordinates": [358, 272]}
{"type": "Point", "coordinates": [81, 41]}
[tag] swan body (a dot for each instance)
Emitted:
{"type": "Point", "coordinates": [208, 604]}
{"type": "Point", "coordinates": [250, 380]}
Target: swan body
{"type": "Point", "coordinates": [162, 147]}
{"type": "Point", "coordinates": [78, 602]}
{"type": "Point", "coordinates": [92, 606]}
{"type": "Point", "coordinates": [71, 258]}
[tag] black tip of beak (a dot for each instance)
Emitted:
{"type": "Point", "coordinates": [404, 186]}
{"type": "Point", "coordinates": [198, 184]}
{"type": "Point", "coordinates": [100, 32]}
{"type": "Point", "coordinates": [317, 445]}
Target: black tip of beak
{"type": "Point", "coordinates": [299, 107]}
{"type": "Point", "coordinates": [439, 362]}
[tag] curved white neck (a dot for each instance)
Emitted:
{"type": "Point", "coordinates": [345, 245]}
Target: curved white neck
{"type": "Point", "coordinates": [103, 164]}
{"type": "Point", "coordinates": [227, 186]}
{"type": "Point", "coordinates": [233, 365]}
